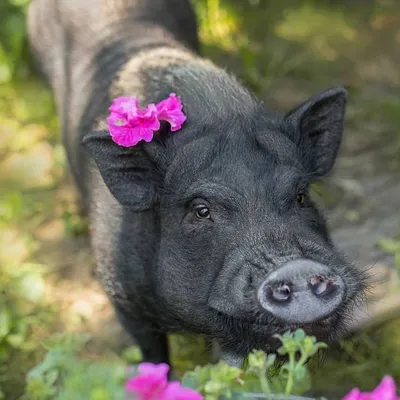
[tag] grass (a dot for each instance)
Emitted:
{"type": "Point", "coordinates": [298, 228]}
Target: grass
{"type": "Point", "coordinates": [284, 51]}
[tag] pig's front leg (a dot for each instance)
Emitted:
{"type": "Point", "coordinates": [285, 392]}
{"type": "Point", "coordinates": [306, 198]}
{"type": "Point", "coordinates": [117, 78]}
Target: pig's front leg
{"type": "Point", "coordinates": [152, 342]}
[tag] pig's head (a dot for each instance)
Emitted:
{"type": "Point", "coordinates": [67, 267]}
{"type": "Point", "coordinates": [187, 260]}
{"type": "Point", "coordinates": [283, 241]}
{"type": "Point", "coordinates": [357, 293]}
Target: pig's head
{"type": "Point", "coordinates": [243, 252]}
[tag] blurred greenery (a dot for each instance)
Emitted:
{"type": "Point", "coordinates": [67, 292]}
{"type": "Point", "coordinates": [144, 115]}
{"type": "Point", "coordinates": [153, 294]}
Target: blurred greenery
{"type": "Point", "coordinates": [14, 58]}
{"type": "Point", "coordinates": [60, 375]}
{"type": "Point", "coordinates": [284, 51]}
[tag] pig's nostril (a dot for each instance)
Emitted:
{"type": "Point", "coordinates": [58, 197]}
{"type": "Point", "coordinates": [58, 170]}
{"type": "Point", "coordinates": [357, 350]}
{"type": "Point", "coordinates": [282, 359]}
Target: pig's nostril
{"type": "Point", "coordinates": [280, 293]}
{"type": "Point", "coordinates": [321, 286]}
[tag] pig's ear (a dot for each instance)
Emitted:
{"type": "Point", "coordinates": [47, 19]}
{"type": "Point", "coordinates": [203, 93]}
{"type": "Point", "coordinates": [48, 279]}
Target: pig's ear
{"type": "Point", "coordinates": [129, 173]}
{"type": "Point", "coordinates": [316, 126]}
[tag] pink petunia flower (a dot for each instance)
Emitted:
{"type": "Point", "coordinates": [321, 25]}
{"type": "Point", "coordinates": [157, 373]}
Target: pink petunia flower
{"type": "Point", "coordinates": [128, 124]}
{"type": "Point", "coordinates": [354, 394]}
{"type": "Point", "coordinates": [150, 382]}
{"type": "Point", "coordinates": [124, 105]}
{"type": "Point", "coordinates": [175, 391]}
{"type": "Point", "coordinates": [386, 390]}
{"type": "Point", "coordinates": [170, 110]}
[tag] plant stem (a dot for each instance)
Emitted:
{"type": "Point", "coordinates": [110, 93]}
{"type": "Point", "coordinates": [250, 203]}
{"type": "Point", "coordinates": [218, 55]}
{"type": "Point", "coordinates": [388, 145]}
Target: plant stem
{"type": "Point", "coordinates": [264, 382]}
{"type": "Point", "coordinates": [264, 385]}
{"type": "Point", "coordinates": [290, 381]}
{"type": "Point", "coordinates": [303, 359]}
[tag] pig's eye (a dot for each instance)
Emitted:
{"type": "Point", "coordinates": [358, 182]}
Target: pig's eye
{"type": "Point", "coordinates": [301, 199]}
{"type": "Point", "coordinates": [202, 211]}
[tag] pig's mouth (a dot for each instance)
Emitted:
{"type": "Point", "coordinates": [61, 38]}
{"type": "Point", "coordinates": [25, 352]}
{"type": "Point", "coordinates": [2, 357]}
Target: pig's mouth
{"type": "Point", "coordinates": [279, 326]}
{"type": "Point", "coordinates": [242, 335]}
{"type": "Point", "coordinates": [255, 335]}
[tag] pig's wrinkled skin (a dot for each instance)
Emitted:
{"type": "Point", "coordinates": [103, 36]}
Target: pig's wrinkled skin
{"type": "Point", "coordinates": [209, 229]}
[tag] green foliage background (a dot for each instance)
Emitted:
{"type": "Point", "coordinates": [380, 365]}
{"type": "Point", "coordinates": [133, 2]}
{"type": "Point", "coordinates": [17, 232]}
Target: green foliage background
{"type": "Point", "coordinates": [14, 53]}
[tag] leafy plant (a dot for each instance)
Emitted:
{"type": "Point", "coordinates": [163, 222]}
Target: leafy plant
{"type": "Point", "coordinates": [63, 375]}
{"type": "Point", "coordinates": [214, 381]}
{"type": "Point", "coordinates": [294, 371]}
{"type": "Point", "coordinates": [21, 312]}
{"type": "Point", "coordinates": [20, 307]}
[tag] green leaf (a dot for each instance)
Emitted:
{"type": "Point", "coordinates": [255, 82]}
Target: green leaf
{"type": "Point", "coordinates": [132, 355]}
{"type": "Point", "coordinates": [271, 360]}
{"type": "Point", "coordinates": [299, 335]}
{"type": "Point", "coordinates": [257, 361]}
{"type": "Point", "coordinates": [15, 340]}
{"type": "Point", "coordinates": [300, 372]}
{"type": "Point", "coordinates": [285, 370]}
{"type": "Point", "coordinates": [213, 387]}
{"type": "Point", "coordinates": [189, 380]}
{"type": "Point", "coordinates": [310, 346]}
{"type": "Point", "coordinates": [289, 346]}
{"type": "Point", "coordinates": [5, 322]}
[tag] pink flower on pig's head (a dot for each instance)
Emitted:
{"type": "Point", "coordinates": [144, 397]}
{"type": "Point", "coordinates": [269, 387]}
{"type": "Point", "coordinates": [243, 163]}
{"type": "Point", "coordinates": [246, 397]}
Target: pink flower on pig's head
{"type": "Point", "coordinates": [129, 124]}
{"type": "Point", "coordinates": [170, 110]}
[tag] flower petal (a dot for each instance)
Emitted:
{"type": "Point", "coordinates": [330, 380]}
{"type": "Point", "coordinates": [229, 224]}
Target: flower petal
{"type": "Point", "coordinates": [129, 133]}
{"type": "Point", "coordinates": [354, 394]}
{"type": "Point", "coordinates": [386, 390]}
{"type": "Point", "coordinates": [129, 124]}
{"type": "Point", "coordinates": [146, 368]}
{"type": "Point", "coordinates": [170, 110]}
{"type": "Point", "coordinates": [116, 119]}
{"type": "Point", "coordinates": [175, 391]}
{"type": "Point", "coordinates": [145, 133]}
{"type": "Point", "coordinates": [150, 382]}
{"type": "Point", "coordinates": [124, 105]}
{"type": "Point", "coordinates": [147, 118]}
{"type": "Point", "coordinates": [127, 136]}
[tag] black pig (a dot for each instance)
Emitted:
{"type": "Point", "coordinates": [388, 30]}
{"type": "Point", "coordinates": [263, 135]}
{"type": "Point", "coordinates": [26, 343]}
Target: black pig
{"type": "Point", "coordinates": [209, 229]}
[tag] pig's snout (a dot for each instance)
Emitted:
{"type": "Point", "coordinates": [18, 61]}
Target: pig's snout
{"type": "Point", "coordinates": [301, 291]}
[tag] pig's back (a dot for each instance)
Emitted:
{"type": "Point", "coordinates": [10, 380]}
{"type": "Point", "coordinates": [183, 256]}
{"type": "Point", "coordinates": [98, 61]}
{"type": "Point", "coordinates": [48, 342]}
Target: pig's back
{"type": "Point", "coordinates": [80, 46]}
{"type": "Point", "coordinates": [79, 28]}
